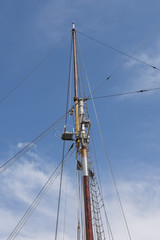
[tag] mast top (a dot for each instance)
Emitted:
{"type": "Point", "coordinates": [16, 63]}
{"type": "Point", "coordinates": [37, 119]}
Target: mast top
{"type": "Point", "coordinates": [73, 26]}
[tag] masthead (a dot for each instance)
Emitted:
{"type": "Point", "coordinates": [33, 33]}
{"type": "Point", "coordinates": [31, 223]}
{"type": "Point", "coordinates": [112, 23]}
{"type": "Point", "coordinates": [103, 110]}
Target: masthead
{"type": "Point", "coordinates": [73, 26]}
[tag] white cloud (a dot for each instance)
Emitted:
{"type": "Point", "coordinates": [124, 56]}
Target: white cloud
{"type": "Point", "coordinates": [142, 76]}
{"type": "Point", "coordinates": [22, 145]}
{"type": "Point", "coordinates": [20, 185]}
{"type": "Point", "coordinates": [140, 198]}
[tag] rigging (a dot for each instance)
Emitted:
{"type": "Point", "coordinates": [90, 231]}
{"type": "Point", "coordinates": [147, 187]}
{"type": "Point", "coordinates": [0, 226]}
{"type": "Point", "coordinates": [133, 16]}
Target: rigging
{"type": "Point", "coordinates": [18, 155]}
{"type": "Point", "coordinates": [109, 165]}
{"type": "Point", "coordinates": [125, 61]}
{"type": "Point", "coordinates": [39, 197]}
{"type": "Point", "coordinates": [108, 160]}
{"type": "Point", "coordinates": [63, 151]}
{"type": "Point", "coordinates": [119, 51]}
{"type": "Point", "coordinates": [88, 180]}
{"type": "Point", "coordinates": [123, 93]}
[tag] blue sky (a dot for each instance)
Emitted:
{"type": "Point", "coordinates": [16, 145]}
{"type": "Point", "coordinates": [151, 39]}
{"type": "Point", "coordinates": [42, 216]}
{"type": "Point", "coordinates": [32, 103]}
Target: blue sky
{"type": "Point", "coordinates": [130, 124]}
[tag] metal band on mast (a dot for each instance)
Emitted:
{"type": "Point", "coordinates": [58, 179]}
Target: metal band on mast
{"type": "Point", "coordinates": [82, 136]}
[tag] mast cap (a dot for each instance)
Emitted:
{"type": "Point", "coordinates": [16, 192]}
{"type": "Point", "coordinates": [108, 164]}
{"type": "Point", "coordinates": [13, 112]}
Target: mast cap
{"type": "Point", "coordinates": [73, 25]}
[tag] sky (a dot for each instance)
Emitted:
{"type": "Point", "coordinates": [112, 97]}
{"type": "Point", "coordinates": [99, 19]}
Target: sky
{"type": "Point", "coordinates": [130, 124]}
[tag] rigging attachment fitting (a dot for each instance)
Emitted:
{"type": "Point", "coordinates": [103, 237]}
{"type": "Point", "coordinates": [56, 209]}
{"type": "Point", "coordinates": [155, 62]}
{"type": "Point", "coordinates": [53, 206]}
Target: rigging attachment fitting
{"type": "Point", "coordinates": [67, 136]}
{"type": "Point", "coordinates": [71, 112]}
{"type": "Point", "coordinates": [79, 167]}
{"type": "Point", "coordinates": [75, 99]}
{"type": "Point", "coordinates": [84, 125]}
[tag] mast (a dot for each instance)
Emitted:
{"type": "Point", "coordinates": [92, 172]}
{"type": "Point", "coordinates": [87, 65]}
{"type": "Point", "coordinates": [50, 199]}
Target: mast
{"type": "Point", "coordinates": [75, 79]}
{"type": "Point", "coordinates": [82, 137]}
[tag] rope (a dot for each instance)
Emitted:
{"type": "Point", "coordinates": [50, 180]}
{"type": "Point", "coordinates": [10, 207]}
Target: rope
{"type": "Point", "coordinates": [37, 200]}
{"type": "Point", "coordinates": [18, 155]}
{"type": "Point", "coordinates": [86, 107]}
{"type": "Point", "coordinates": [110, 233]}
{"type": "Point", "coordinates": [65, 205]}
{"type": "Point", "coordinates": [61, 176]}
{"type": "Point", "coordinates": [96, 210]}
{"type": "Point", "coordinates": [120, 52]}
{"type": "Point", "coordinates": [60, 188]}
{"type": "Point", "coordinates": [109, 164]}
{"type": "Point", "coordinates": [119, 67]}
{"type": "Point", "coordinates": [107, 158]}
{"type": "Point", "coordinates": [139, 46]}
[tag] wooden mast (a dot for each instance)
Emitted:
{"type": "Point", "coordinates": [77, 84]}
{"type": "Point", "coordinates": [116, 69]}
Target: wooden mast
{"type": "Point", "coordinates": [75, 79]}
{"type": "Point", "coordinates": [81, 137]}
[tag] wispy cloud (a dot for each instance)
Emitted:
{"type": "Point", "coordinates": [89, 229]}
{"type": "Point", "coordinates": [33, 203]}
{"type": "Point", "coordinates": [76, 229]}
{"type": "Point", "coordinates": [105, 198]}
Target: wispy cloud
{"type": "Point", "coordinates": [19, 186]}
{"type": "Point", "coordinates": [144, 76]}
{"type": "Point", "coordinates": [140, 198]}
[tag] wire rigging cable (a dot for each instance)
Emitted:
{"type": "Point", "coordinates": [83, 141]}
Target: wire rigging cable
{"type": "Point", "coordinates": [108, 161]}
{"type": "Point", "coordinates": [30, 72]}
{"type": "Point", "coordinates": [18, 155]}
{"type": "Point", "coordinates": [39, 197]}
{"type": "Point", "coordinates": [139, 47]}
{"type": "Point", "coordinates": [63, 151]}
{"type": "Point", "coordinates": [120, 52]}
{"type": "Point", "coordinates": [109, 165]}
{"type": "Point", "coordinates": [60, 189]}
{"type": "Point", "coordinates": [65, 203]}
{"type": "Point", "coordinates": [110, 234]}
{"type": "Point", "coordinates": [125, 61]}
{"type": "Point", "coordinates": [122, 94]}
